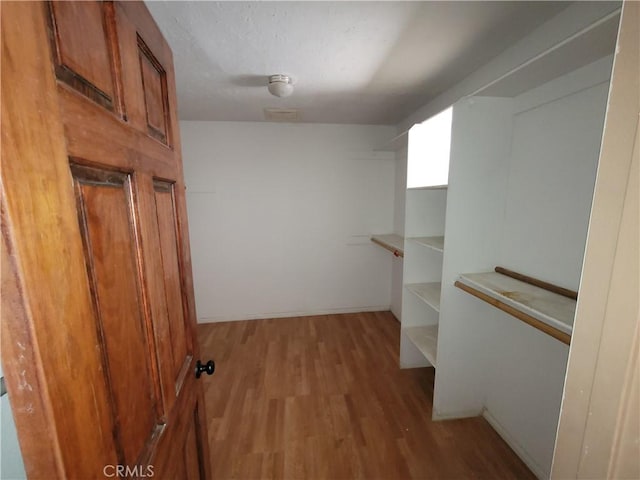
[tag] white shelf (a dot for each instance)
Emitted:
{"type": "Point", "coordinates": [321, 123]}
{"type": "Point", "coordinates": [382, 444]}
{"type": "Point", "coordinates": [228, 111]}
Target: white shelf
{"type": "Point", "coordinates": [524, 301]}
{"type": "Point", "coordinates": [425, 339]}
{"type": "Point", "coordinates": [392, 242]}
{"type": "Point", "coordinates": [429, 293]}
{"type": "Point", "coordinates": [436, 243]}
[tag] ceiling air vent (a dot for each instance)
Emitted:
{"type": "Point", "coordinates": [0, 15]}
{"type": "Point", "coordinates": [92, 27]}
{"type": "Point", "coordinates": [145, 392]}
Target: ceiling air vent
{"type": "Point", "coordinates": [281, 114]}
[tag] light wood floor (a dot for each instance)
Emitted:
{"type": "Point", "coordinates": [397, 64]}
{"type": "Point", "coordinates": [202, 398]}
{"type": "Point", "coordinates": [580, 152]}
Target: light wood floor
{"type": "Point", "coordinates": [323, 397]}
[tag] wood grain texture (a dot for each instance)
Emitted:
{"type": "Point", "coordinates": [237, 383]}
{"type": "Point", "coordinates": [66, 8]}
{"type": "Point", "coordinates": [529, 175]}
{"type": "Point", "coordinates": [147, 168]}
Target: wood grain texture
{"type": "Point", "coordinates": [181, 347]}
{"type": "Point", "coordinates": [110, 246]}
{"type": "Point", "coordinates": [81, 34]}
{"type": "Point", "coordinates": [158, 310]}
{"type": "Point", "coordinates": [17, 356]}
{"type": "Point", "coordinates": [155, 92]}
{"type": "Point", "coordinates": [99, 385]}
{"type": "Point", "coordinates": [45, 249]}
{"type": "Point", "coordinates": [323, 397]}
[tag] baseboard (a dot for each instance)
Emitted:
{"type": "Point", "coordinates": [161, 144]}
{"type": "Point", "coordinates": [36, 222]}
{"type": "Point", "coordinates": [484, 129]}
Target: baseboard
{"type": "Point", "coordinates": [422, 364]}
{"type": "Point", "coordinates": [534, 466]}
{"type": "Point", "coordinates": [308, 313]}
{"type": "Point", "coordinates": [437, 416]}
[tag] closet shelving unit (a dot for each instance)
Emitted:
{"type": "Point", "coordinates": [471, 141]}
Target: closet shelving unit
{"type": "Point", "coordinates": [524, 154]}
{"type": "Point", "coordinates": [429, 293]}
{"type": "Point", "coordinates": [424, 247]}
{"type": "Point", "coordinates": [425, 211]}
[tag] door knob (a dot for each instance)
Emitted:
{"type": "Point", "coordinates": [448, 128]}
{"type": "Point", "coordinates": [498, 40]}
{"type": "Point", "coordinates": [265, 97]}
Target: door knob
{"type": "Point", "coordinates": [207, 368]}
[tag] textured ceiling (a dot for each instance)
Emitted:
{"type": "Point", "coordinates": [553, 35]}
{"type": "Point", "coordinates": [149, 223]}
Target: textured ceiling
{"type": "Point", "coordinates": [352, 61]}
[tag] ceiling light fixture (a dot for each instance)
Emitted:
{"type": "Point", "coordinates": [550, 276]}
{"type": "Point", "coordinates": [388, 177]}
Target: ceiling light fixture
{"type": "Point", "coordinates": [280, 85]}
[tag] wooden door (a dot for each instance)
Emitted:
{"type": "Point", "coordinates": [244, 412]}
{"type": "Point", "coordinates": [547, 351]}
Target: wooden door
{"type": "Point", "coordinates": [98, 317]}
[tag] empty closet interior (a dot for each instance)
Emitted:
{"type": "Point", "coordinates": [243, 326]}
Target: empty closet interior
{"type": "Point", "coordinates": [488, 265]}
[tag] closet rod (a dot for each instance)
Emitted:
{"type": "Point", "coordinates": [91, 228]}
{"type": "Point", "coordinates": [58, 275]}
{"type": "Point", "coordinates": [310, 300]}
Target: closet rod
{"type": "Point", "coordinates": [550, 287]}
{"type": "Point", "coordinates": [528, 319]}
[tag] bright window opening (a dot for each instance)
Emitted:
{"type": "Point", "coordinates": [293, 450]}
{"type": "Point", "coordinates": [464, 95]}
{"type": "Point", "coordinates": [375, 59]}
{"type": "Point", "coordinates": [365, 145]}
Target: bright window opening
{"type": "Point", "coordinates": [429, 148]}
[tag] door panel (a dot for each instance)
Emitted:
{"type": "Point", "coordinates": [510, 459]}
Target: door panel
{"type": "Point", "coordinates": [100, 291]}
{"type": "Point", "coordinates": [154, 84]}
{"type": "Point", "coordinates": [157, 304]}
{"type": "Point", "coordinates": [181, 348]}
{"type": "Point", "coordinates": [106, 222]}
{"type": "Point", "coordinates": [82, 35]}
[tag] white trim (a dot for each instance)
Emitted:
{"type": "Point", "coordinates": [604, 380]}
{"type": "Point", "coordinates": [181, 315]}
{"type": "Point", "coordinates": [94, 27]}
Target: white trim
{"type": "Point", "coordinates": [422, 364]}
{"type": "Point", "coordinates": [263, 316]}
{"type": "Point", "coordinates": [437, 416]}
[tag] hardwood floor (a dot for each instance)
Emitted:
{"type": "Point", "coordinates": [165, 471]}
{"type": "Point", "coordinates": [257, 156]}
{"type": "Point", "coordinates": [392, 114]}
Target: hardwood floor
{"type": "Point", "coordinates": [323, 397]}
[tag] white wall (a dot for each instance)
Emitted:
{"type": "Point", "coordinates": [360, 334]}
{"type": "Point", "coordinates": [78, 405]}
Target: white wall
{"type": "Point", "coordinates": [280, 217]}
{"type": "Point", "coordinates": [398, 228]}
{"type": "Point", "coordinates": [400, 191]}
{"type": "Point", "coordinates": [11, 464]}
{"type": "Point", "coordinates": [552, 174]}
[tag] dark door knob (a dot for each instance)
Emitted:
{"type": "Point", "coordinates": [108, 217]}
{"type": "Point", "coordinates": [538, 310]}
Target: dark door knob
{"type": "Point", "coordinates": [207, 368]}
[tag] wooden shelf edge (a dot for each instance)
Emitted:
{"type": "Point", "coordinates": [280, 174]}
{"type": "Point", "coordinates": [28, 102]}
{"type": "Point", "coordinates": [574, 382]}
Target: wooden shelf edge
{"type": "Point", "coordinates": [534, 322]}
{"type": "Point", "coordinates": [396, 251]}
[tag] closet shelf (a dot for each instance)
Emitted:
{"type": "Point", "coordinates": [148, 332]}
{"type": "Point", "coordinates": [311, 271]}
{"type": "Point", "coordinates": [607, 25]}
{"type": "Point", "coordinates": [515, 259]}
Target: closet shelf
{"type": "Point", "coordinates": [429, 293]}
{"type": "Point", "coordinates": [547, 311]}
{"type": "Point", "coordinates": [425, 338]}
{"type": "Point", "coordinates": [436, 243]}
{"type": "Point", "coordinates": [392, 242]}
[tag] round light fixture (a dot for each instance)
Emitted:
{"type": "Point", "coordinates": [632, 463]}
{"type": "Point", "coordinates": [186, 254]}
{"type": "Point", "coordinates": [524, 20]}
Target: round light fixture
{"type": "Point", "coordinates": [280, 85]}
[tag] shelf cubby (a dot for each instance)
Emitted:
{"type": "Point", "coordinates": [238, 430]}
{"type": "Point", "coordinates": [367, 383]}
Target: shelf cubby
{"type": "Point", "coordinates": [425, 339]}
{"type": "Point", "coordinates": [429, 293]}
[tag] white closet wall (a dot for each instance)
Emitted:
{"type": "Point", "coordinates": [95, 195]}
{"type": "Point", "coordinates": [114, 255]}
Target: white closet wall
{"type": "Point", "coordinates": [11, 462]}
{"type": "Point", "coordinates": [280, 217]}
{"type": "Point", "coordinates": [556, 137]}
